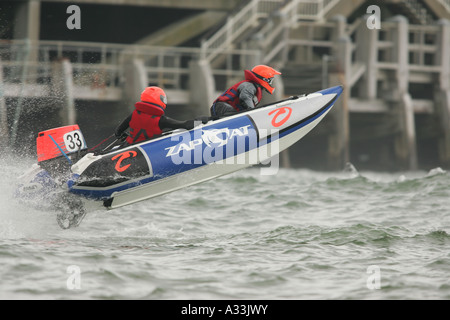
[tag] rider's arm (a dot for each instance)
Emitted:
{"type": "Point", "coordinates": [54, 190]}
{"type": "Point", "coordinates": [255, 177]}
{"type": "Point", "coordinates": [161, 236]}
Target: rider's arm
{"type": "Point", "coordinates": [247, 91]}
{"type": "Point", "coordinates": [123, 126]}
{"type": "Point", "coordinates": [168, 123]}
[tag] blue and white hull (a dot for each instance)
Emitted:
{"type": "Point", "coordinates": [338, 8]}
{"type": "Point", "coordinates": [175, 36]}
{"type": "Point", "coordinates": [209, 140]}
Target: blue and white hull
{"type": "Point", "coordinates": [210, 150]}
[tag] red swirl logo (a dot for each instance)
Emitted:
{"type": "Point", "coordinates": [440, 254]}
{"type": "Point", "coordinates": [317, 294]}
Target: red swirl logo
{"type": "Point", "coordinates": [280, 112]}
{"type": "Point", "coordinates": [122, 156]}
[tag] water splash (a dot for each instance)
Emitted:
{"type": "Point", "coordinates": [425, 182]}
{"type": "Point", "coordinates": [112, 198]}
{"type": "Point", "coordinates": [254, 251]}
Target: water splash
{"type": "Point", "coordinates": [350, 168]}
{"type": "Point", "coordinates": [18, 219]}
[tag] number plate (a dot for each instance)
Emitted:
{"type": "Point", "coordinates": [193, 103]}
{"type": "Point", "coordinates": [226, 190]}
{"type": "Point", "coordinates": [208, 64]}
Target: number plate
{"type": "Point", "coordinates": [74, 141]}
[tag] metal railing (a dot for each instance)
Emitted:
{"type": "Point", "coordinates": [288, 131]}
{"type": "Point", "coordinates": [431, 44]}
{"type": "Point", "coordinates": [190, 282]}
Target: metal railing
{"type": "Point", "coordinates": [93, 64]}
{"type": "Point", "coordinates": [249, 16]}
{"type": "Point", "coordinates": [102, 65]}
{"type": "Point", "coordinates": [236, 25]}
{"type": "Point", "coordinates": [312, 9]}
{"type": "Point", "coordinates": [274, 35]}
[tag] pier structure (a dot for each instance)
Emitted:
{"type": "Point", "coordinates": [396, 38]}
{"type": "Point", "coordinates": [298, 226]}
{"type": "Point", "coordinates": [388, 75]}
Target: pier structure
{"type": "Point", "coordinates": [394, 113]}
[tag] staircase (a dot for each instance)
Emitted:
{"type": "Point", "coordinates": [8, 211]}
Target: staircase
{"type": "Point", "coordinates": [257, 13]}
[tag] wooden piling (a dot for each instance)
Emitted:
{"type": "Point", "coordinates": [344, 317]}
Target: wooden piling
{"type": "Point", "coordinates": [366, 53]}
{"type": "Point", "coordinates": [338, 139]}
{"type": "Point", "coordinates": [405, 140]}
{"type": "Point", "coordinates": [442, 93]}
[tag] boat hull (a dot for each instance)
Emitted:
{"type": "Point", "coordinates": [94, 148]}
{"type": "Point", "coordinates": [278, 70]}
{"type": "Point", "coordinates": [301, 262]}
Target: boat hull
{"type": "Point", "coordinates": [208, 151]}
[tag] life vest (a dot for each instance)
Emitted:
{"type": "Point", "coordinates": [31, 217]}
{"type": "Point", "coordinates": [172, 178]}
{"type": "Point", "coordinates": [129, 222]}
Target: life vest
{"type": "Point", "coordinates": [144, 122]}
{"type": "Point", "coordinates": [231, 95]}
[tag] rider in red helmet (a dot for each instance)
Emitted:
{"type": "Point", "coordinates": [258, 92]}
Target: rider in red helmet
{"type": "Point", "coordinates": [148, 119]}
{"type": "Point", "coordinates": [245, 94]}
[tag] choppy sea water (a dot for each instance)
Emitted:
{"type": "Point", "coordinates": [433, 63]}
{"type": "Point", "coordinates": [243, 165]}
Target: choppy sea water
{"type": "Point", "coordinates": [299, 234]}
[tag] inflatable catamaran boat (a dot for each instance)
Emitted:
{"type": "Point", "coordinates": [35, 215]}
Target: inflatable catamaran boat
{"type": "Point", "coordinates": [68, 176]}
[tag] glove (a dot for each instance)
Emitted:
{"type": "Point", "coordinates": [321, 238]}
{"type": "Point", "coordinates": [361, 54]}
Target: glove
{"type": "Point", "coordinates": [118, 134]}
